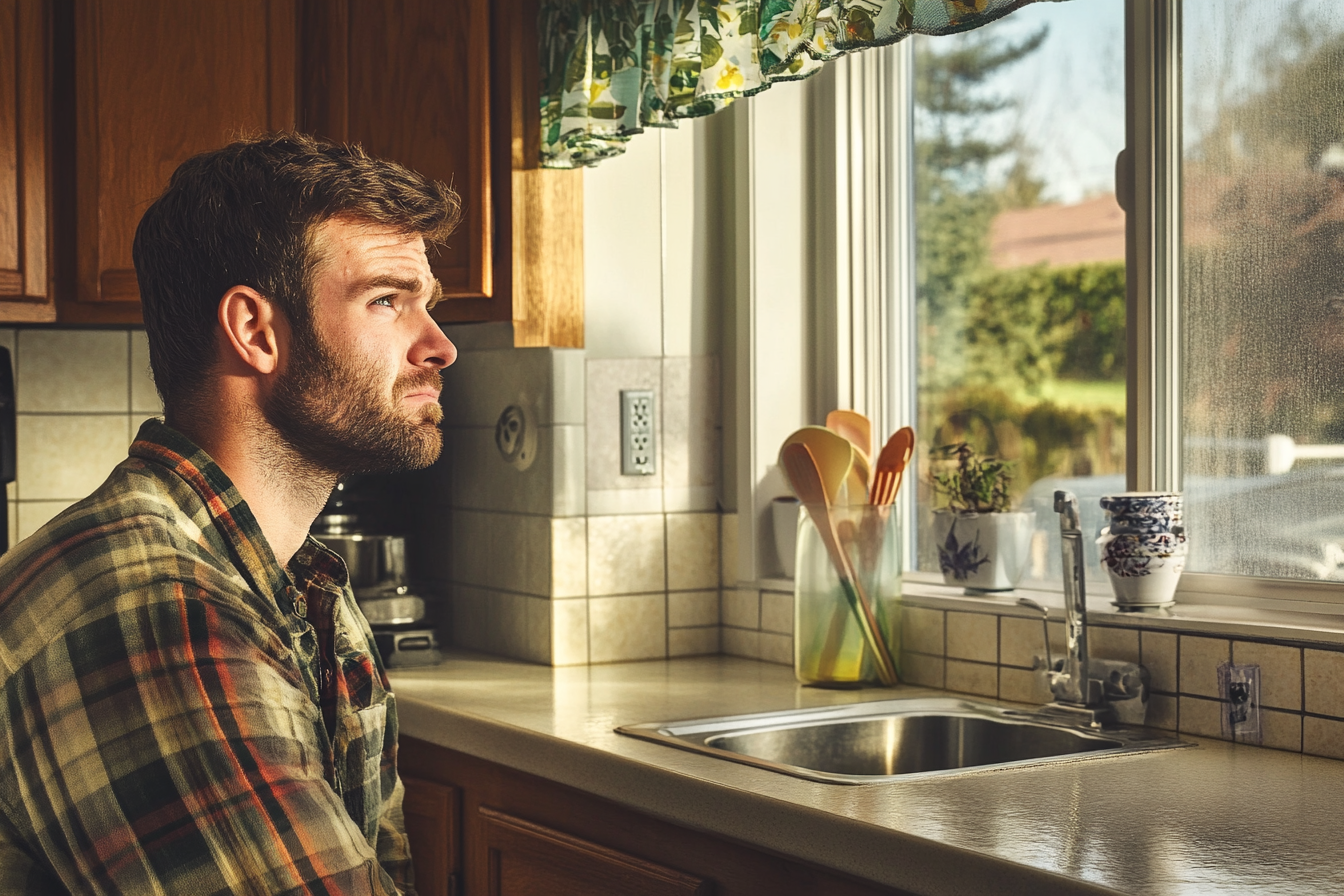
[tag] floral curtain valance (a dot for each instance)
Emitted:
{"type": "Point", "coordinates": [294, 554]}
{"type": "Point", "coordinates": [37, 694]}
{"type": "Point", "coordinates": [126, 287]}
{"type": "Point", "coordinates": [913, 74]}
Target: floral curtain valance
{"type": "Point", "coordinates": [611, 68]}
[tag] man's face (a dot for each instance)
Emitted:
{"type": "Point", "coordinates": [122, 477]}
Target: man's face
{"type": "Point", "coordinates": [359, 390]}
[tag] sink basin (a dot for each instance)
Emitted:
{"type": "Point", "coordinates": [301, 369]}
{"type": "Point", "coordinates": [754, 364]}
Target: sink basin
{"type": "Point", "coordinates": [894, 740]}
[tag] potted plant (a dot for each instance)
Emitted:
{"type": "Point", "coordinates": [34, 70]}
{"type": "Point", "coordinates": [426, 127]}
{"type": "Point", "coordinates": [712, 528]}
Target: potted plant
{"type": "Point", "coordinates": [982, 543]}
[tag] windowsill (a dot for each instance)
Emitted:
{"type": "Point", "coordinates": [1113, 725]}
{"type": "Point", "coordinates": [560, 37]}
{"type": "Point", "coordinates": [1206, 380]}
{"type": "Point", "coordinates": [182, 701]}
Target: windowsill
{"type": "Point", "coordinates": [1277, 624]}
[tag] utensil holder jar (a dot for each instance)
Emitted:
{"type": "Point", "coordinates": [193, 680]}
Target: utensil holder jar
{"type": "Point", "coordinates": [829, 648]}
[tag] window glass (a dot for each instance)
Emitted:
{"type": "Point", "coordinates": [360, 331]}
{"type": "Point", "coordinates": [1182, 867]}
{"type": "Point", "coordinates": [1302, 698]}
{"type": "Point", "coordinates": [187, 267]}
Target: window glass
{"type": "Point", "coordinates": [1020, 282]}
{"type": "Point", "coordinates": [1262, 287]}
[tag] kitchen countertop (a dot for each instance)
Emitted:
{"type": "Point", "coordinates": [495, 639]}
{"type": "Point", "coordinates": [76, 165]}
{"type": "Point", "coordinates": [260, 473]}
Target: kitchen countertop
{"type": "Point", "coordinates": [1218, 818]}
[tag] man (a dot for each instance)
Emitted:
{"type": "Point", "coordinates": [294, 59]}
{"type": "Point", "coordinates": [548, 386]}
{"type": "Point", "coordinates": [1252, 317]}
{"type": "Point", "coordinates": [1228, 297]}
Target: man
{"type": "Point", "coordinates": [192, 701]}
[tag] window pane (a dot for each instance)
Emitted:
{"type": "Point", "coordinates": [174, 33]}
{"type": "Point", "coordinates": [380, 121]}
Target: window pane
{"type": "Point", "coordinates": [1262, 291]}
{"type": "Point", "coordinates": [1020, 256]}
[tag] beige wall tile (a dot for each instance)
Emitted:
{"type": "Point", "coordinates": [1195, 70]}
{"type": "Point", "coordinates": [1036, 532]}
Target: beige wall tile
{"type": "Point", "coordinates": [692, 551]}
{"type": "Point", "coordinates": [776, 648]}
{"type": "Point", "coordinates": [625, 554]}
{"type": "Point", "coordinates": [1281, 730]}
{"type": "Point", "coordinates": [481, 384]}
{"type": "Point", "coordinates": [981, 679]}
{"type": "Point", "coordinates": [605, 380]}
{"type": "Point", "coordinates": [520, 553]}
{"type": "Point", "coordinates": [506, 624]}
{"type": "Point", "coordinates": [629, 627]}
{"type": "Point", "coordinates": [469, 613]}
{"type": "Point", "coordinates": [73, 371]}
{"type": "Point", "coordinates": [569, 632]}
{"type": "Point", "coordinates": [1022, 639]}
{"type": "Point", "coordinates": [692, 608]}
{"type": "Point", "coordinates": [29, 516]}
{"type": "Point", "coordinates": [1023, 685]}
{"type": "Point", "coordinates": [537, 647]}
{"type": "Point", "coordinates": [777, 612]}
{"type": "Point", "coordinates": [618, 501]}
{"type": "Point", "coordinates": [698, 641]}
{"type": "Point", "coordinates": [1109, 643]}
{"type": "Point", "coordinates": [920, 669]}
{"type": "Point", "coordinates": [569, 557]}
{"type": "Point", "coordinates": [741, 642]}
{"type": "Point", "coordinates": [922, 630]}
{"type": "Point", "coordinates": [741, 608]}
{"type": "Point", "coordinates": [569, 495]}
{"type": "Point", "coordinates": [7, 339]}
{"type": "Point", "coordinates": [67, 456]}
{"type": "Point", "coordinates": [1159, 657]}
{"type": "Point", "coordinates": [973, 636]}
{"type": "Point", "coordinates": [1162, 712]}
{"type": "Point", "coordinates": [144, 397]}
{"type": "Point", "coordinates": [471, 533]}
{"type": "Point", "coordinates": [728, 550]}
{"type": "Point", "coordinates": [1280, 672]}
{"type": "Point", "coordinates": [1323, 737]}
{"type": "Point", "coordinates": [1200, 717]}
{"type": "Point", "coordinates": [690, 393]}
{"type": "Point", "coordinates": [1324, 671]}
{"type": "Point", "coordinates": [1200, 659]}
{"type": "Point", "coordinates": [482, 480]}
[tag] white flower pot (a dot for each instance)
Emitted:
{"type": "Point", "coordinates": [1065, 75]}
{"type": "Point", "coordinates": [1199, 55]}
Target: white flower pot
{"type": "Point", "coordinates": [983, 551]}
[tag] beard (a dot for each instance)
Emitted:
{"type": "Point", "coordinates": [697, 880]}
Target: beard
{"type": "Point", "coordinates": [335, 414]}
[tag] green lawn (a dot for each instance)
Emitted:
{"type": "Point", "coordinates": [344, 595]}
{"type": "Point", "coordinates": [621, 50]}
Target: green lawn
{"type": "Point", "coordinates": [1078, 394]}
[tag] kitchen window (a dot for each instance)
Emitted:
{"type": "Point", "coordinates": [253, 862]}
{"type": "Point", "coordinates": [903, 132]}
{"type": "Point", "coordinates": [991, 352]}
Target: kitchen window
{"type": "Point", "coordinates": [1203, 350]}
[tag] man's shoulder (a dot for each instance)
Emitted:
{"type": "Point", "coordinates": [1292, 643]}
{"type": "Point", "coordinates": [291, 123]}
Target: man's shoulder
{"type": "Point", "coordinates": [141, 532]}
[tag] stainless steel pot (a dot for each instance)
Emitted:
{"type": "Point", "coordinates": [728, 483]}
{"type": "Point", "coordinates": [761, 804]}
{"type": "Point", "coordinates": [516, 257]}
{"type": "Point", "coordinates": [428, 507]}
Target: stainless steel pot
{"type": "Point", "coordinates": [377, 563]}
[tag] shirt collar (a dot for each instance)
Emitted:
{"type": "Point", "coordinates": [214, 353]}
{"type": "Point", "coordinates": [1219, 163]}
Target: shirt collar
{"type": "Point", "coordinates": [161, 444]}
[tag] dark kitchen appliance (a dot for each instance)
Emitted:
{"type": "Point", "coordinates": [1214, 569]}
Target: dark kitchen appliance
{"type": "Point", "coordinates": [8, 452]}
{"type": "Point", "coordinates": [377, 566]}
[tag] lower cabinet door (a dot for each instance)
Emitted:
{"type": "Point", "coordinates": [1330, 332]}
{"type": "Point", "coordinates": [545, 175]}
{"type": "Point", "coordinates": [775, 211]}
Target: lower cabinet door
{"type": "Point", "coordinates": [431, 813]}
{"type": "Point", "coordinates": [527, 859]}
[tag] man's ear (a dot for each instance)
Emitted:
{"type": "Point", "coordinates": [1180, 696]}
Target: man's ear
{"type": "Point", "coordinates": [251, 325]}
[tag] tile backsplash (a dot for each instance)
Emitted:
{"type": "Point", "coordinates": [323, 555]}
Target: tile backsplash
{"type": "Point", "coordinates": [563, 560]}
{"type": "Point", "coordinates": [81, 397]}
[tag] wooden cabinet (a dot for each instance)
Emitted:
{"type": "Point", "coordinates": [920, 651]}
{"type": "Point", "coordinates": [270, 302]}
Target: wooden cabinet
{"type": "Point", "coordinates": [157, 81]}
{"type": "Point", "coordinates": [24, 150]}
{"type": "Point", "coordinates": [409, 80]}
{"type": "Point", "coordinates": [450, 90]}
{"type": "Point", "coordinates": [515, 834]}
{"type": "Point", "coordinates": [433, 813]}
{"type": "Point", "coordinates": [101, 100]}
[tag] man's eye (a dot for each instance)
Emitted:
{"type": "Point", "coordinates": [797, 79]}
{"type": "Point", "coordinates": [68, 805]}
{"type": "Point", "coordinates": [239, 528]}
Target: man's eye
{"type": "Point", "coordinates": [383, 300]}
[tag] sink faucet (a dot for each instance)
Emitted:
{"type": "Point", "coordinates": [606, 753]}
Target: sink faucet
{"type": "Point", "coordinates": [1071, 685]}
{"type": "Point", "coordinates": [1088, 692]}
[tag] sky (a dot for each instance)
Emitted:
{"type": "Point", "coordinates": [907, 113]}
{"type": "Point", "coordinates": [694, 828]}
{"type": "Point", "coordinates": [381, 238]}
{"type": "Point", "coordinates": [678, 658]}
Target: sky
{"type": "Point", "coordinates": [1071, 92]}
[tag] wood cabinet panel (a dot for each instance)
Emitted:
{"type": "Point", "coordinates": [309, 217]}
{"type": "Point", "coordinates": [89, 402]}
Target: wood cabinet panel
{"type": "Point", "coordinates": [157, 81]}
{"type": "Point", "coordinates": [433, 814]}
{"type": "Point", "coordinates": [524, 834]}
{"type": "Point", "coordinates": [24, 153]}
{"type": "Point", "coordinates": [409, 80]}
{"type": "Point", "coordinates": [527, 858]}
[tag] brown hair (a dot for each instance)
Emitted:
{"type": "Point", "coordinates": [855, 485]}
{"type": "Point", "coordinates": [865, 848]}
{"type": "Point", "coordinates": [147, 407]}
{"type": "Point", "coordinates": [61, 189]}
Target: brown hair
{"type": "Point", "coordinates": [245, 215]}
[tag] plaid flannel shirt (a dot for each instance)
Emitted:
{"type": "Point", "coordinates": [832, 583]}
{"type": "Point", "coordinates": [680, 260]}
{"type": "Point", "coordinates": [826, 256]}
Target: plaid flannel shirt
{"type": "Point", "coordinates": [180, 714]}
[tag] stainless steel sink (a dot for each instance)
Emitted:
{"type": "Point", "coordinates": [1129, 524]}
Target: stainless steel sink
{"type": "Point", "coordinates": [893, 740]}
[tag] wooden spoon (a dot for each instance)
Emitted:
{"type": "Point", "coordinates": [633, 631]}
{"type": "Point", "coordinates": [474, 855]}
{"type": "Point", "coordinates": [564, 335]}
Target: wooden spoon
{"type": "Point", "coordinates": [805, 477]}
{"type": "Point", "coordinates": [832, 454]}
{"type": "Point", "coordinates": [858, 431]}
{"type": "Point", "coordinates": [890, 466]}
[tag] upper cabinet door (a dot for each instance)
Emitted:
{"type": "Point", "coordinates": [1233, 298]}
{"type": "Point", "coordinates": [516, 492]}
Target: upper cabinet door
{"type": "Point", "coordinates": [24, 99]}
{"type": "Point", "coordinates": [156, 82]}
{"type": "Point", "coordinates": [409, 81]}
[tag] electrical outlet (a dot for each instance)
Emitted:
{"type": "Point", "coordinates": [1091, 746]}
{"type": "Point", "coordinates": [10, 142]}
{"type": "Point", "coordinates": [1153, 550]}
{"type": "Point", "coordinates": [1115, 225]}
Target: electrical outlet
{"type": "Point", "coordinates": [637, 445]}
{"type": "Point", "coordinates": [1239, 686]}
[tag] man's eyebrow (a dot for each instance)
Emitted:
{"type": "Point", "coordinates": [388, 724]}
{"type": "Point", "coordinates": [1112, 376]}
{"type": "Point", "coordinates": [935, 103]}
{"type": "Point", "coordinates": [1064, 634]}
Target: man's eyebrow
{"type": "Point", "coordinates": [388, 281]}
{"type": "Point", "coordinates": [435, 295]}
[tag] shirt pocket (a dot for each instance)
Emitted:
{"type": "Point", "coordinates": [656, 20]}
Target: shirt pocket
{"type": "Point", "coordinates": [358, 749]}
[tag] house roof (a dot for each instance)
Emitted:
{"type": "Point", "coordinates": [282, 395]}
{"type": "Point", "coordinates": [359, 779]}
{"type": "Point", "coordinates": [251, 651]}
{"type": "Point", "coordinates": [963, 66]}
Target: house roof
{"type": "Point", "coordinates": [1091, 230]}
